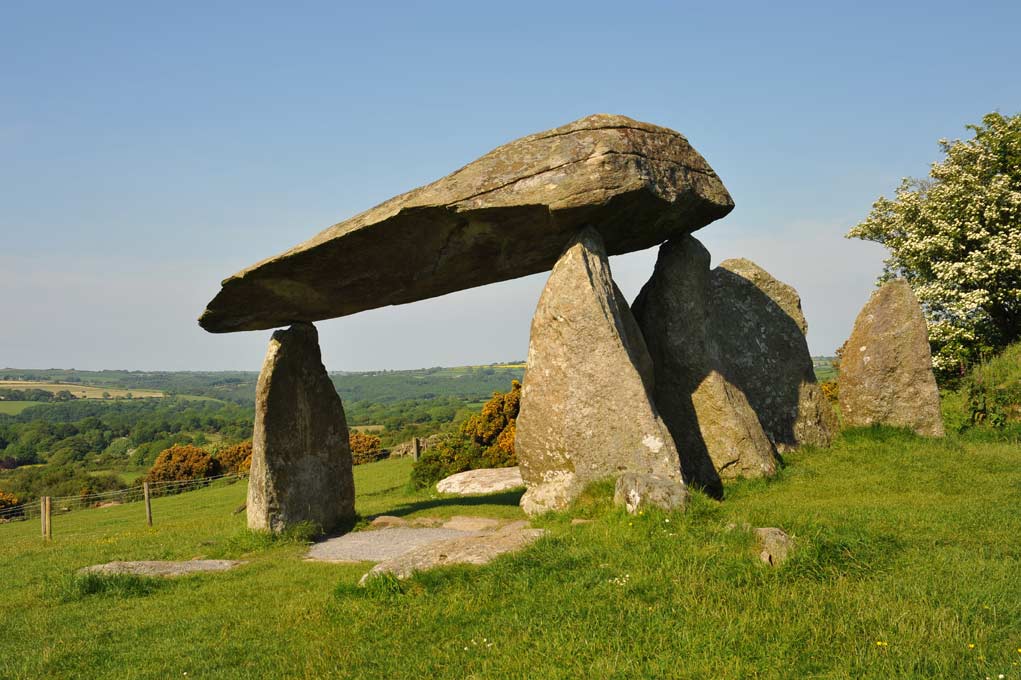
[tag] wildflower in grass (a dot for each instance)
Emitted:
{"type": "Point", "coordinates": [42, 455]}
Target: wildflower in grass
{"type": "Point", "coordinates": [971, 645]}
{"type": "Point", "coordinates": [882, 643]}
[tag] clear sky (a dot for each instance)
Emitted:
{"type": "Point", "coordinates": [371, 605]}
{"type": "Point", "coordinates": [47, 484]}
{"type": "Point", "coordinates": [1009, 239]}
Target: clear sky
{"type": "Point", "coordinates": [148, 150]}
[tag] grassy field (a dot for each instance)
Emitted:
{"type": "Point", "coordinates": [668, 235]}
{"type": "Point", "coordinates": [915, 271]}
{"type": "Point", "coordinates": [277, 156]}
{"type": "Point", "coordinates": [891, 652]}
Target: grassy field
{"type": "Point", "coordinates": [908, 565]}
{"type": "Point", "coordinates": [79, 390]}
{"type": "Point", "coordinates": [13, 408]}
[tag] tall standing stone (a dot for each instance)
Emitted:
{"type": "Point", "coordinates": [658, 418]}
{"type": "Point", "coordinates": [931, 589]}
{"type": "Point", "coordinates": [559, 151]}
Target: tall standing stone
{"type": "Point", "coordinates": [760, 334]}
{"type": "Point", "coordinates": [586, 406]}
{"type": "Point", "coordinates": [301, 459]}
{"type": "Point", "coordinates": [886, 368]}
{"type": "Point", "coordinates": [716, 431]}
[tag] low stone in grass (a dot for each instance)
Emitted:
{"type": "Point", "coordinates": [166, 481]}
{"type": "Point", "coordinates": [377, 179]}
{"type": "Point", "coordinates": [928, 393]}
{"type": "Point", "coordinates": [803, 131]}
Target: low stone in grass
{"type": "Point", "coordinates": [388, 521]}
{"type": "Point", "coordinates": [636, 491]}
{"type": "Point", "coordinates": [473, 549]}
{"type": "Point", "coordinates": [160, 568]}
{"type": "Point", "coordinates": [774, 545]}
{"type": "Point", "coordinates": [475, 482]}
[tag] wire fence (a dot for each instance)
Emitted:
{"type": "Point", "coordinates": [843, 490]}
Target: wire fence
{"type": "Point", "coordinates": [67, 504]}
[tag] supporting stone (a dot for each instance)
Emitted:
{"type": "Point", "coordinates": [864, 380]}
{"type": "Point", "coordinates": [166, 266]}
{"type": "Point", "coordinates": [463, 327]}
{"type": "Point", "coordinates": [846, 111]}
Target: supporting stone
{"type": "Point", "coordinates": [716, 431]}
{"type": "Point", "coordinates": [301, 460]}
{"type": "Point", "coordinates": [886, 368]}
{"type": "Point", "coordinates": [759, 330]}
{"type": "Point", "coordinates": [586, 406]}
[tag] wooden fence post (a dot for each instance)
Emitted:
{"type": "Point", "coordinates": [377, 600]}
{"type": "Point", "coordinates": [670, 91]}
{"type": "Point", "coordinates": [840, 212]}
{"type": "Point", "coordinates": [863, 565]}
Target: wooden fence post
{"type": "Point", "coordinates": [148, 503]}
{"type": "Point", "coordinates": [44, 514]}
{"type": "Point", "coordinates": [416, 448]}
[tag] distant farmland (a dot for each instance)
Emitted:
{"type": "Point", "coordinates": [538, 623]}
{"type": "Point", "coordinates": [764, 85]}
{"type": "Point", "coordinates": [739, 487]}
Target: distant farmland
{"type": "Point", "coordinates": [80, 391]}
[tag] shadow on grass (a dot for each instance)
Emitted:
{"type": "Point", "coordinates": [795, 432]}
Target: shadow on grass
{"type": "Point", "coordinates": [511, 498]}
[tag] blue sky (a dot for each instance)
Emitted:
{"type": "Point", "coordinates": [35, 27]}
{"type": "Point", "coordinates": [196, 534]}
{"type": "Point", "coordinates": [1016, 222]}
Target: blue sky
{"type": "Point", "coordinates": [147, 151]}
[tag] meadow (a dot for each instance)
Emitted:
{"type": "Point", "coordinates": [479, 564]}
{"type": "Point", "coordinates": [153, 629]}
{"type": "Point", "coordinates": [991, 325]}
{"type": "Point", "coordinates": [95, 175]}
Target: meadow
{"type": "Point", "coordinates": [907, 565]}
{"type": "Point", "coordinates": [81, 391]}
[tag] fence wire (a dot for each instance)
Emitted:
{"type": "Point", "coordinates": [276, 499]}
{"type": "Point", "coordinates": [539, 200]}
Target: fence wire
{"type": "Point", "coordinates": [135, 494]}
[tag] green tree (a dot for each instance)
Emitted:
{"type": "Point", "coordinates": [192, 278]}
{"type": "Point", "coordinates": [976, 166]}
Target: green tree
{"type": "Point", "coordinates": [956, 238]}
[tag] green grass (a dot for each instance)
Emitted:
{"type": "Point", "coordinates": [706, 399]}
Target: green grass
{"type": "Point", "coordinates": [901, 541]}
{"type": "Point", "coordinates": [13, 408]}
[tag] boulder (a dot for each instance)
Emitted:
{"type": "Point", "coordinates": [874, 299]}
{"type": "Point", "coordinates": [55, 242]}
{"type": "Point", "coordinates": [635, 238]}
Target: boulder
{"type": "Point", "coordinates": [505, 215]}
{"type": "Point", "coordinates": [301, 462]}
{"type": "Point", "coordinates": [637, 492]}
{"type": "Point", "coordinates": [473, 482]}
{"type": "Point", "coordinates": [759, 331]}
{"type": "Point", "coordinates": [717, 433]}
{"type": "Point", "coordinates": [774, 545]}
{"type": "Point", "coordinates": [886, 369]}
{"type": "Point", "coordinates": [474, 549]}
{"type": "Point", "coordinates": [586, 405]}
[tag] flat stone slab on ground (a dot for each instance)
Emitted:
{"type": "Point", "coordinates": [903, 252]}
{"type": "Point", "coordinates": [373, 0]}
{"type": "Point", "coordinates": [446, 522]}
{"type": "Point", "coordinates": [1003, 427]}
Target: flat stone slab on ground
{"type": "Point", "coordinates": [477, 548]}
{"type": "Point", "coordinates": [489, 480]}
{"type": "Point", "coordinates": [161, 568]}
{"type": "Point", "coordinates": [379, 545]}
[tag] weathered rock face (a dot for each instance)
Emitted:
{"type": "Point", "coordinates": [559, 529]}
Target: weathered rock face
{"type": "Point", "coordinates": [716, 431]}
{"type": "Point", "coordinates": [886, 369]}
{"type": "Point", "coordinates": [507, 214]}
{"type": "Point", "coordinates": [586, 407]}
{"type": "Point", "coordinates": [301, 462]}
{"type": "Point", "coordinates": [759, 331]}
{"type": "Point", "coordinates": [636, 492]}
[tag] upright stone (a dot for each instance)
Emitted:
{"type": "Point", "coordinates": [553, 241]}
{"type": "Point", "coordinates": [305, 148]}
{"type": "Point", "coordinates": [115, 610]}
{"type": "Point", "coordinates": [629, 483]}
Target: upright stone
{"type": "Point", "coordinates": [760, 330]}
{"type": "Point", "coordinates": [716, 431]}
{"type": "Point", "coordinates": [301, 460]}
{"type": "Point", "coordinates": [886, 369]}
{"type": "Point", "coordinates": [586, 406]}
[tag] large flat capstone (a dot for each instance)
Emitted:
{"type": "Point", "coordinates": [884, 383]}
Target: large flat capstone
{"type": "Point", "coordinates": [508, 214]}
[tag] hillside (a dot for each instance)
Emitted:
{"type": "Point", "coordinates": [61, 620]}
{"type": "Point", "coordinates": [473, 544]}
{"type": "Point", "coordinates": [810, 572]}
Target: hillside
{"type": "Point", "coordinates": [906, 566]}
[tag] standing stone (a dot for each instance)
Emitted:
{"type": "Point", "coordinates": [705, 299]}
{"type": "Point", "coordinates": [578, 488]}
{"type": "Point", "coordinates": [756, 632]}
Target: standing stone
{"type": "Point", "coordinates": [586, 407]}
{"type": "Point", "coordinates": [301, 460]}
{"type": "Point", "coordinates": [886, 369]}
{"type": "Point", "coordinates": [716, 431]}
{"type": "Point", "coordinates": [759, 330]}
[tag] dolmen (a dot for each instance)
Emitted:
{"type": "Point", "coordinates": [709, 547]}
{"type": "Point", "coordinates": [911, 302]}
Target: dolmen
{"type": "Point", "coordinates": [670, 393]}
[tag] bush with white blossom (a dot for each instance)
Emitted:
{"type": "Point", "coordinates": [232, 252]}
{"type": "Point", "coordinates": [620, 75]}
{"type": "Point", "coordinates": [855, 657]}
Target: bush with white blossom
{"type": "Point", "coordinates": [956, 238]}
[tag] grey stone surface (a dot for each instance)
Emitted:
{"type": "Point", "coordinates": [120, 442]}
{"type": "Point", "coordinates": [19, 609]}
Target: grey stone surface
{"type": "Point", "coordinates": [379, 545]}
{"type": "Point", "coordinates": [301, 461]}
{"type": "Point", "coordinates": [476, 549]}
{"type": "Point", "coordinates": [466, 523]}
{"type": "Point", "coordinates": [636, 492]}
{"type": "Point", "coordinates": [161, 568]}
{"type": "Point", "coordinates": [474, 482]}
{"type": "Point", "coordinates": [886, 367]}
{"type": "Point", "coordinates": [759, 331]}
{"type": "Point", "coordinates": [586, 406]}
{"type": "Point", "coordinates": [717, 433]}
{"type": "Point", "coordinates": [508, 214]}
{"type": "Point", "coordinates": [774, 544]}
